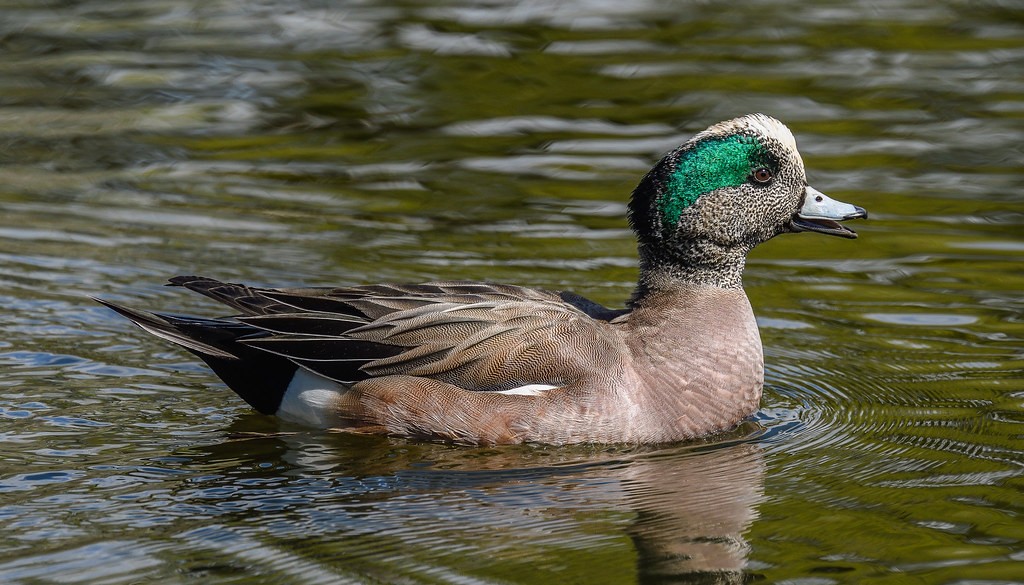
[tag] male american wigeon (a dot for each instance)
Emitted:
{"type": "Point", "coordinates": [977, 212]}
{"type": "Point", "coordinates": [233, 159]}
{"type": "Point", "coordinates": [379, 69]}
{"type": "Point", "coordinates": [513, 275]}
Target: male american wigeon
{"type": "Point", "coordinates": [487, 363]}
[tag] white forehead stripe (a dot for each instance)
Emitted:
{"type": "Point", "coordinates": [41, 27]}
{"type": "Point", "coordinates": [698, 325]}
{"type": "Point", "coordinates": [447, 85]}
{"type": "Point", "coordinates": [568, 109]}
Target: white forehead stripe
{"type": "Point", "coordinates": [771, 127]}
{"type": "Point", "coordinates": [758, 124]}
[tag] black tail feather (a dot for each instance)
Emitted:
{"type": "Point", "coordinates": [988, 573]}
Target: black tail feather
{"type": "Point", "coordinates": [260, 378]}
{"type": "Point", "coordinates": [248, 300]}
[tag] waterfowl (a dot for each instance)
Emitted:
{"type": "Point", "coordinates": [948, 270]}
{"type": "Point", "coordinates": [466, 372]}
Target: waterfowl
{"type": "Point", "coordinates": [485, 363]}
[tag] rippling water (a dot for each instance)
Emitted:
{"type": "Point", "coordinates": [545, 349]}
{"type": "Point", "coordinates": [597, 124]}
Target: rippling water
{"type": "Point", "coordinates": [325, 143]}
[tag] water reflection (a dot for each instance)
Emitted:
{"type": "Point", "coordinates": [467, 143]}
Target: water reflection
{"type": "Point", "coordinates": [425, 507]}
{"type": "Point", "coordinates": [692, 513]}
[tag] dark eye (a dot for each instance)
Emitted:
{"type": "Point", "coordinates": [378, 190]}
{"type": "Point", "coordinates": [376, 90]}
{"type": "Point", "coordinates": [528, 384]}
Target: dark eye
{"type": "Point", "coordinates": [762, 175]}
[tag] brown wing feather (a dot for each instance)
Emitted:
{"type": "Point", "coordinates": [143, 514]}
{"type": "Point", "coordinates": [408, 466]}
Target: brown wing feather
{"type": "Point", "coordinates": [491, 345]}
{"type": "Point", "coordinates": [478, 336]}
{"type": "Point", "coordinates": [248, 300]}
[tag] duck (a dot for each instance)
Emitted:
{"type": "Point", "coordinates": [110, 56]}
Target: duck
{"type": "Point", "coordinates": [488, 363]}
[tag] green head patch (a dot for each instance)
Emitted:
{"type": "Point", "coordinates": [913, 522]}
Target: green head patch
{"type": "Point", "coordinates": [711, 164]}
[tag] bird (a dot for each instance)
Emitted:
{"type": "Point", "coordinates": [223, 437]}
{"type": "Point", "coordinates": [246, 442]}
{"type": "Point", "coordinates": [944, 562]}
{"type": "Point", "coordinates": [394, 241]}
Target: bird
{"type": "Point", "coordinates": [486, 363]}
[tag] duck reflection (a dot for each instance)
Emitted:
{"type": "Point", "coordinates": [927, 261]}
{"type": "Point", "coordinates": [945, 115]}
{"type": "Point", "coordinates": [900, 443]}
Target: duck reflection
{"type": "Point", "coordinates": [682, 509]}
{"type": "Point", "coordinates": [692, 511]}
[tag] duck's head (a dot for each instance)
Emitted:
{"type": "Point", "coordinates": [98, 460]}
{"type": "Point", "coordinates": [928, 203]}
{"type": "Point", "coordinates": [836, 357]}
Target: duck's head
{"type": "Point", "coordinates": [706, 204]}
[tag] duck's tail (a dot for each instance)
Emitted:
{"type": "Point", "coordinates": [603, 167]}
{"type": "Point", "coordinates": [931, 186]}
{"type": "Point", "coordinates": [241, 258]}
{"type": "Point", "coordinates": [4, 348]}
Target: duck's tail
{"type": "Point", "coordinates": [260, 378]}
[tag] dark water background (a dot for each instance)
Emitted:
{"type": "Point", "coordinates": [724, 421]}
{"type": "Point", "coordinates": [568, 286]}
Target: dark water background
{"type": "Point", "coordinates": [281, 142]}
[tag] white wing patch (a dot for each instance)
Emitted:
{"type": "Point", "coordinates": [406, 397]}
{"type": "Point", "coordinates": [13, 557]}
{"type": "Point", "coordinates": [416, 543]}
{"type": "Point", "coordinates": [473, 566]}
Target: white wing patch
{"type": "Point", "coordinates": [528, 390]}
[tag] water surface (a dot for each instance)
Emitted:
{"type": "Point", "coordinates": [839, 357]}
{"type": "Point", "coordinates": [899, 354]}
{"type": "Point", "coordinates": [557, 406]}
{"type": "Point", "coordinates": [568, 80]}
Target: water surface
{"type": "Point", "coordinates": [278, 143]}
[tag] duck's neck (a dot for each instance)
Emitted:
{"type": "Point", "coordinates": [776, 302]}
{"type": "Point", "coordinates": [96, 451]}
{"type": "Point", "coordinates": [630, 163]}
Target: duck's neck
{"type": "Point", "coordinates": [691, 263]}
{"type": "Point", "coordinates": [697, 352]}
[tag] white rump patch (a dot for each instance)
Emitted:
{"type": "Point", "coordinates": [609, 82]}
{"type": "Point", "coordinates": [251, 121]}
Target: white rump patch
{"type": "Point", "coordinates": [528, 390]}
{"type": "Point", "coordinates": [311, 399]}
